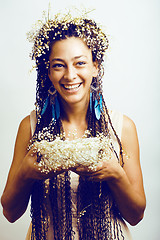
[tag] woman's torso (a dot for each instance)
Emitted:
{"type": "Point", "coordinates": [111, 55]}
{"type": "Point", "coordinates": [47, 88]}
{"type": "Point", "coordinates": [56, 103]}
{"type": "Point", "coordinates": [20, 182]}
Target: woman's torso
{"type": "Point", "coordinates": [117, 121]}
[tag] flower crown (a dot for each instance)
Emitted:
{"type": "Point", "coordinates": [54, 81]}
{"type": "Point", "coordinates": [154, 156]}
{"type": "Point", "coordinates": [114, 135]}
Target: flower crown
{"type": "Point", "coordinates": [49, 30]}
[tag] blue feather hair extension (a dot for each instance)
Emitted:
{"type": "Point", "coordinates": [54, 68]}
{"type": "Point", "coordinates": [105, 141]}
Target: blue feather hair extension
{"type": "Point", "coordinates": [100, 102]}
{"type": "Point", "coordinates": [90, 103]}
{"type": "Point", "coordinates": [53, 112]}
{"type": "Point", "coordinates": [57, 108]}
{"type": "Point", "coordinates": [45, 105]}
{"type": "Point", "coordinates": [98, 107]}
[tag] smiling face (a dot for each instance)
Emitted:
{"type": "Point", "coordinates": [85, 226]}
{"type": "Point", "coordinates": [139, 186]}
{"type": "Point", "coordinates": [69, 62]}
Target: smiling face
{"type": "Point", "coordinates": [72, 69]}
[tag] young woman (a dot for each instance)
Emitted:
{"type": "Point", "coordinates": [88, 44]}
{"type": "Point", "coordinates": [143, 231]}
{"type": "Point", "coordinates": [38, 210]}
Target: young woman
{"type": "Point", "coordinates": [74, 202]}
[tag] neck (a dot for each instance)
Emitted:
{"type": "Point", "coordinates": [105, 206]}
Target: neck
{"type": "Point", "coordinates": [74, 113]}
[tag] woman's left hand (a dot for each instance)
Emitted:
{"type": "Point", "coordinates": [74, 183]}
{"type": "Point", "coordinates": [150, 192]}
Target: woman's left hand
{"type": "Point", "coordinates": [105, 171]}
{"type": "Point", "coordinates": [126, 184]}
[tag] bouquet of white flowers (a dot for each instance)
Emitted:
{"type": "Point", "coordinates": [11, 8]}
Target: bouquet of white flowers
{"type": "Point", "coordinates": [86, 152]}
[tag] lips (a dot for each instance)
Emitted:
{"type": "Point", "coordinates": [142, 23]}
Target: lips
{"type": "Point", "coordinates": [71, 86]}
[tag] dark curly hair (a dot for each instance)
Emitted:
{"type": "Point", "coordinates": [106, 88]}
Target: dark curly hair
{"type": "Point", "coordinates": [95, 206]}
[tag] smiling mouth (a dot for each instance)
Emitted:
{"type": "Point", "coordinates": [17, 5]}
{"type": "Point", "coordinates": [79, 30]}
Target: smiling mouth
{"type": "Point", "coordinates": [71, 87]}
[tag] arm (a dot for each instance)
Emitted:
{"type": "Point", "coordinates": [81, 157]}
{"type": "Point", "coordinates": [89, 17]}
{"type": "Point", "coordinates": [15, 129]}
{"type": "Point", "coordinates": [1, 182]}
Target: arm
{"type": "Point", "coordinates": [17, 190]}
{"type": "Point", "coordinates": [23, 173]}
{"type": "Point", "coordinates": [125, 183]}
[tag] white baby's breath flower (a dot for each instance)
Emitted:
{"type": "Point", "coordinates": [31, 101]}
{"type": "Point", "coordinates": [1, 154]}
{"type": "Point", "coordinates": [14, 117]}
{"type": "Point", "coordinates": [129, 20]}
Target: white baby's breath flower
{"type": "Point", "coordinates": [87, 152]}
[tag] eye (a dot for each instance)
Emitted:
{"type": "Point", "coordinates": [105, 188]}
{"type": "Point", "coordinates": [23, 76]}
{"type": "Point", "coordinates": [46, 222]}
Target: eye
{"type": "Point", "coordinates": [57, 65]}
{"type": "Point", "coordinates": [81, 63]}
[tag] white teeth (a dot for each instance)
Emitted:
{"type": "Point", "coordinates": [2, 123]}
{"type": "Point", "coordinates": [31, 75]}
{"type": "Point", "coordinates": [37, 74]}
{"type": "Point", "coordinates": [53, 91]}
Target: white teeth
{"type": "Point", "coordinates": [71, 86]}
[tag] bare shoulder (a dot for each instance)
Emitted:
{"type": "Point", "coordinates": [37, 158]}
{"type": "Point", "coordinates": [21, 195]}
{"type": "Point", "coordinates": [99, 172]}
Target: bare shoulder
{"type": "Point", "coordinates": [25, 123]}
{"type": "Point", "coordinates": [21, 144]}
{"type": "Point", "coordinates": [23, 135]}
{"type": "Point", "coordinates": [128, 125]}
{"type": "Point", "coordinates": [24, 130]}
{"type": "Point", "coordinates": [22, 139]}
{"type": "Point", "coordinates": [130, 142]}
{"type": "Point", "coordinates": [129, 131]}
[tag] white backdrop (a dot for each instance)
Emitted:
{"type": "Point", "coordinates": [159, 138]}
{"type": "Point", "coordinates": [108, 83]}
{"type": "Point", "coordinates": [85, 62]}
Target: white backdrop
{"type": "Point", "coordinates": [130, 85]}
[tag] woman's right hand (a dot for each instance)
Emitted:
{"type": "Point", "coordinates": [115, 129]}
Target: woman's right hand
{"type": "Point", "coordinates": [23, 173]}
{"type": "Point", "coordinates": [32, 170]}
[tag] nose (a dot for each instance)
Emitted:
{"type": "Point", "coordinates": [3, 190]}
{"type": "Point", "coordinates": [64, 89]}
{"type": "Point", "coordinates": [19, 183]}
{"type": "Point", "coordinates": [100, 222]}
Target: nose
{"type": "Point", "coordinates": [70, 73]}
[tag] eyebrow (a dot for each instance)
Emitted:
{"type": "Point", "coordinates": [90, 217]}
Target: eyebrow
{"type": "Point", "coordinates": [80, 56]}
{"type": "Point", "coordinates": [61, 60]}
{"type": "Point", "coordinates": [57, 59]}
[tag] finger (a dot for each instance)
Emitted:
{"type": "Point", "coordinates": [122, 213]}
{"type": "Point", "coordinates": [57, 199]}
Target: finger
{"type": "Point", "coordinates": [45, 172]}
{"type": "Point", "coordinates": [86, 170]}
{"type": "Point", "coordinates": [97, 178]}
{"type": "Point", "coordinates": [82, 173]}
{"type": "Point", "coordinates": [94, 179]}
{"type": "Point", "coordinates": [97, 174]}
{"type": "Point", "coordinates": [100, 166]}
{"type": "Point", "coordinates": [32, 152]}
{"type": "Point", "coordinates": [82, 169]}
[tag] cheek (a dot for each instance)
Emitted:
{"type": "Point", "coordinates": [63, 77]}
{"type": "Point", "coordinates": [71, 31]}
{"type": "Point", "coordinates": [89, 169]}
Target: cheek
{"type": "Point", "coordinates": [87, 74]}
{"type": "Point", "coordinates": [55, 76]}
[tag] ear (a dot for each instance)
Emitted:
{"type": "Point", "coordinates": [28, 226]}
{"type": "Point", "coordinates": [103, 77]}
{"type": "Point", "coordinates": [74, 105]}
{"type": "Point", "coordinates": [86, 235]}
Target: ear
{"type": "Point", "coordinates": [95, 69]}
